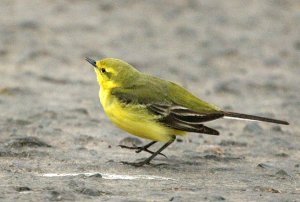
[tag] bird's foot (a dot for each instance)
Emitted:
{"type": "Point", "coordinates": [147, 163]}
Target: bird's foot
{"type": "Point", "coordinates": [139, 149]}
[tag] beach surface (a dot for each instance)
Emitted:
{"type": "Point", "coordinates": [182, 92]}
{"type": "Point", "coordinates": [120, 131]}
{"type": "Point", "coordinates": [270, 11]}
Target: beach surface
{"type": "Point", "coordinates": [56, 144]}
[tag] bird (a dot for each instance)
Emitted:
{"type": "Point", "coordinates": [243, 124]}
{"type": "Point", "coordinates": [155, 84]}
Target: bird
{"type": "Point", "coordinates": [155, 109]}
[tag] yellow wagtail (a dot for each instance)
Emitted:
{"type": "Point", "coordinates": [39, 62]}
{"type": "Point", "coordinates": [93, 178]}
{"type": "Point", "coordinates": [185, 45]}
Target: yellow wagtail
{"type": "Point", "coordinates": [152, 108]}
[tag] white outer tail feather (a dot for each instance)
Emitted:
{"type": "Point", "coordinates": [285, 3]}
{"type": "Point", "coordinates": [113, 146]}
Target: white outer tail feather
{"type": "Point", "coordinates": [235, 118]}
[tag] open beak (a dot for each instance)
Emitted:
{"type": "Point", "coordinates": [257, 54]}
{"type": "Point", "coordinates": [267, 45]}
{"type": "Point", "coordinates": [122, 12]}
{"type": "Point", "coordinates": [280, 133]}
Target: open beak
{"type": "Point", "coordinates": [91, 61]}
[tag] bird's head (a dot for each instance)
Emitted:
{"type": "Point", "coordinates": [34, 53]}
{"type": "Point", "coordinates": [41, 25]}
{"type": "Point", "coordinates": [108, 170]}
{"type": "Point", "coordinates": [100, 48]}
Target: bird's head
{"type": "Point", "coordinates": [113, 72]}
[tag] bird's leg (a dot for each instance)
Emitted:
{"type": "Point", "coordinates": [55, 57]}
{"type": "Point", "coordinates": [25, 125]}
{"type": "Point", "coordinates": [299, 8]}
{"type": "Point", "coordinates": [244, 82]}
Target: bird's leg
{"type": "Point", "coordinates": [142, 148]}
{"type": "Point", "coordinates": [147, 161]}
{"type": "Point", "coordinates": [138, 149]}
{"type": "Point", "coordinates": [145, 147]}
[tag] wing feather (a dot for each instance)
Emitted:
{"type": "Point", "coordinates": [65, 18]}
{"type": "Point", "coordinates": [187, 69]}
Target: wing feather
{"type": "Point", "coordinates": [182, 118]}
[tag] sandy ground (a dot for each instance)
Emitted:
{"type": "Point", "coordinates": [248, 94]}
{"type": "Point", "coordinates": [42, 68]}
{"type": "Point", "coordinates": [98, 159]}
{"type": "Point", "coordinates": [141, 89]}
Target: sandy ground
{"type": "Point", "coordinates": [57, 144]}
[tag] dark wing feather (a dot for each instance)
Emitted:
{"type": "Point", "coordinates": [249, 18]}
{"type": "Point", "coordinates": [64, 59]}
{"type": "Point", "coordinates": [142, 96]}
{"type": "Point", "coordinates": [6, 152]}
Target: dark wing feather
{"type": "Point", "coordinates": [184, 119]}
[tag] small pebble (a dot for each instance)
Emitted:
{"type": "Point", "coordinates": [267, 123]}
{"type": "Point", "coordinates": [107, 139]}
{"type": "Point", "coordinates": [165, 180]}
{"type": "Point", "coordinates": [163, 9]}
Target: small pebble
{"type": "Point", "coordinates": [130, 141]}
{"type": "Point", "coordinates": [231, 87]}
{"type": "Point", "coordinates": [277, 128]}
{"type": "Point", "coordinates": [26, 142]}
{"type": "Point", "coordinates": [282, 173]}
{"type": "Point", "coordinates": [282, 154]}
{"type": "Point", "coordinates": [55, 196]}
{"type": "Point", "coordinates": [253, 128]}
{"type": "Point", "coordinates": [179, 140]}
{"type": "Point", "coordinates": [21, 189]}
{"type": "Point", "coordinates": [91, 192]}
{"type": "Point", "coordinates": [97, 175]}
{"type": "Point", "coordinates": [176, 198]}
{"type": "Point", "coordinates": [266, 189]}
{"type": "Point", "coordinates": [265, 166]}
{"type": "Point", "coordinates": [232, 143]}
{"type": "Point", "coordinates": [297, 45]}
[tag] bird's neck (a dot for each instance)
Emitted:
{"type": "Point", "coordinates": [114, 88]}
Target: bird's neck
{"type": "Point", "coordinates": [108, 85]}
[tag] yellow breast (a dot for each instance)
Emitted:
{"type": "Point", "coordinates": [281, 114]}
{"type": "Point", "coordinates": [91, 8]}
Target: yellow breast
{"type": "Point", "coordinates": [135, 119]}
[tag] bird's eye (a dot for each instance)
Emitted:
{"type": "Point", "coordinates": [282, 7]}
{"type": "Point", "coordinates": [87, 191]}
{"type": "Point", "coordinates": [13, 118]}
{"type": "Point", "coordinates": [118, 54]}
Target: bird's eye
{"type": "Point", "coordinates": [103, 70]}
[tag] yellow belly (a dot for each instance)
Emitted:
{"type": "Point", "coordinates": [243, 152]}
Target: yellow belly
{"type": "Point", "coordinates": [135, 119]}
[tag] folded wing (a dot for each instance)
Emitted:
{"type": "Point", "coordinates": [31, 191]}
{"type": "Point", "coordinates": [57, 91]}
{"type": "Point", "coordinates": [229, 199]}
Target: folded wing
{"type": "Point", "coordinates": [182, 118]}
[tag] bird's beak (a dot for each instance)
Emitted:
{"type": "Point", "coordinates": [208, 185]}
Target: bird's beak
{"type": "Point", "coordinates": [91, 61]}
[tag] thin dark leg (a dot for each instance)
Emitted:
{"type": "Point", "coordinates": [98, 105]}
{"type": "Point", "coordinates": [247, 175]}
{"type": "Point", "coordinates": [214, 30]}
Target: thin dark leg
{"type": "Point", "coordinates": [142, 148]}
{"type": "Point", "coordinates": [147, 161]}
{"type": "Point", "coordinates": [138, 149]}
{"type": "Point", "coordinates": [145, 147]}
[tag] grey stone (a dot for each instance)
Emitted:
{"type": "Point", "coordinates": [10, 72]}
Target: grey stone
{"type": "Point", "coordinates": [253, 127]}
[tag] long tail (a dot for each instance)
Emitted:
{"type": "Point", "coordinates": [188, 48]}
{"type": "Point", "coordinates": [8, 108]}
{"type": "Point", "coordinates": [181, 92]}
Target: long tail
{"type": "Point", "coordinates": [233, 115]}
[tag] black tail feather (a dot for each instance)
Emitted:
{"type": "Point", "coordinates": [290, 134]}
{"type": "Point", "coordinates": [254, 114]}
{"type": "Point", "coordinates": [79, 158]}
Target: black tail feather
{"type": "Point", "coordinates": [252, 117]}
